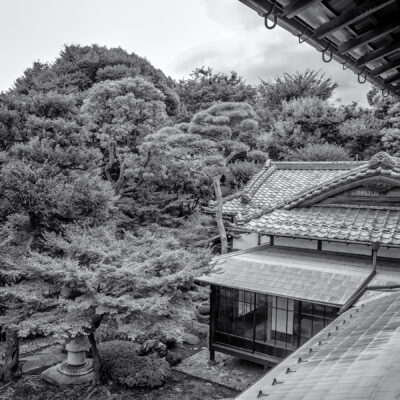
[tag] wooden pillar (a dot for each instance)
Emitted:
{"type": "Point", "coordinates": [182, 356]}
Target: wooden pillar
{"type": "Point", "coordinates": [375, 247]}
{"type": "Point", "coordinates": [213, 299]}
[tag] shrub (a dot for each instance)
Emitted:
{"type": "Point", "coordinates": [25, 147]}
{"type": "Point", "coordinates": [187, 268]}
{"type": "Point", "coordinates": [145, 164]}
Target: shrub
{"type": "Point", "coordinates": [123, 366]}
{"type": "Point", "coordinates": [319, 152]}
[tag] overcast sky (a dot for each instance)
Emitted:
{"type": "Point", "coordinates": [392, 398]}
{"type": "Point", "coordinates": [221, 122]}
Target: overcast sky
{"type": "Point", "coordinates": [174, 35]}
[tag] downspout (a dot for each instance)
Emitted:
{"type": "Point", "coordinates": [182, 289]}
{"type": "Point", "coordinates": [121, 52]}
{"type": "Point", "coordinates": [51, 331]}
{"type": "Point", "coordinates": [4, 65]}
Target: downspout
{"type": "Point", "coordinates": [364, 286]}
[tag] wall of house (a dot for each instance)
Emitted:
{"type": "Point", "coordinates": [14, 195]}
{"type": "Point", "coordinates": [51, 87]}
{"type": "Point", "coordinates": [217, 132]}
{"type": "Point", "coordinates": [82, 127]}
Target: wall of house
{"type": "Point", "coordinates": [347, 248]}
{"type": "Point", "coordinates": [391, 252]}
{"type": "Point", "coordinates": [249, 240]}
{"type": "Point", "coordinates": [245, 241]}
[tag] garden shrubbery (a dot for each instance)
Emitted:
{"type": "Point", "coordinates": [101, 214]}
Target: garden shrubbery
{"type": "Point", "coordinates": [124, 366]}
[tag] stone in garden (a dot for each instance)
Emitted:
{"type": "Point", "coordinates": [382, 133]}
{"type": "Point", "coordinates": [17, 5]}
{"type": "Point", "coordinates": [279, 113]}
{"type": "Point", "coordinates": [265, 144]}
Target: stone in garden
{"type": "Point", "coordinates": [204, 308]}
{"type": "Point", "coordinates": [152, 345]}
{"type": "Point", "coordinates": [173, 357]}
{"type": "Point", "coordinates": [191, 339]}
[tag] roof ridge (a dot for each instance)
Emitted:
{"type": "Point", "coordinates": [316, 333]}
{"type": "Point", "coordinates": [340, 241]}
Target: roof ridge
{"type": "Point", "coordinates": [318, 164]}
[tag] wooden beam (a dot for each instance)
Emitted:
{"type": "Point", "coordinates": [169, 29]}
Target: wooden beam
{"type": "Point", "coordinates": [369, 36]}
{"type": "Point", "coordinates": [297, 6]}
{"type": "Point", "coordinates": [350, 16]}
{"type": "Point", "coordinates": [377, 54]}
{"type": "Point", "coordinates": [386, 67]}
{"type": "Point", "coordinates": [394, 78]}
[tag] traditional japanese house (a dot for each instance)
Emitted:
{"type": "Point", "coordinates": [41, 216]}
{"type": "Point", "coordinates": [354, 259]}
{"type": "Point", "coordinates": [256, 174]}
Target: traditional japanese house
{"type": "Point", "coordinates": [311, 239]}
{"type": "Point", "coordinates": [319, 242]}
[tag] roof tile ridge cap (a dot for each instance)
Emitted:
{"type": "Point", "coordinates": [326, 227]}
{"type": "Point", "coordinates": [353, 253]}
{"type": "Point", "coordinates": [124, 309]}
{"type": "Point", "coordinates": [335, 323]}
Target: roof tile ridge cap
{"type": "Point", "coordinates": [299, 197]}
{"type": "Point", "coordinates": [249, 190]}
{"type": "Point", "coordinates": [326, 164]}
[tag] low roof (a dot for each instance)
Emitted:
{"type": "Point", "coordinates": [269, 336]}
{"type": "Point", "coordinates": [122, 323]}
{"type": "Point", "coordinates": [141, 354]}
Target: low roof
{"type": "Point", "coordinates": [363, 36]}
{"type": "Point", "coordinates": [355, 224]}
{"type": "Point", "coordinates": [315, 276]}
{"type": "Point", "coordinates": [357, 356]}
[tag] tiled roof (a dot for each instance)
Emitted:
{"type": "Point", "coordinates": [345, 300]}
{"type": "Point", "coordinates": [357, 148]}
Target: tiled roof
{"type": "Point", "coordinates": [359, 224]}
{"type": "Point", "coordinates": [278, 182]}
{"type": "Point", "coordinates": [298, 274]}
{"type": "Point", "coordinates": [357, 356]}
{"type": "Point", "coordinates": [285, 199]}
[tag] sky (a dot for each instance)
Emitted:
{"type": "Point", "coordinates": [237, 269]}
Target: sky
{"type": "Point", "coordinates": [176, 36]}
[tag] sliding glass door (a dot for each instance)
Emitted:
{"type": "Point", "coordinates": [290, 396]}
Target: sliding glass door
{"type": "Point", "coordinates": [266, 324]}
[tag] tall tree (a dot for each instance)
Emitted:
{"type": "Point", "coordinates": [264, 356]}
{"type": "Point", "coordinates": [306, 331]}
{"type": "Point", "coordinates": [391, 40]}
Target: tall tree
{"type": "Point", "coordinates": [213, 140]}
{"type": "Point", "coordinates": [118, 114]}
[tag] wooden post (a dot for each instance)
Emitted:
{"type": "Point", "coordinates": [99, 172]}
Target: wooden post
{"type": "Point", "coordinates": [375, 247]}
{"type": "Point", "coordinates": [11, 356]}
{"type": "Point", "coordinates": [213, 299]}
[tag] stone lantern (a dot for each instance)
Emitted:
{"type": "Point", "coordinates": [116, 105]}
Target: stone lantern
{"type": "Point", "coordinates": [76, 369]}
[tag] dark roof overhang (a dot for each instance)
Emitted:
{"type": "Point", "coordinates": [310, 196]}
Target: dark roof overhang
{"type": "Point", "coordinates": [363, 36]}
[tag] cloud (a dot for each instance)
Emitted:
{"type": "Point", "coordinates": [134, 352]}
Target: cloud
{"type": "Point", "coordinates": [256, 53]}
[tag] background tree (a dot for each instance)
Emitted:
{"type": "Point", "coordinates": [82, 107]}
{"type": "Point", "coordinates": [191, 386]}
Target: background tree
{"type": "Point", "coordinates": [302, 122]}
{"type": "Point", "coordinates": [274, 93]}
{"type": "Point", "coordinates": [205, 88]}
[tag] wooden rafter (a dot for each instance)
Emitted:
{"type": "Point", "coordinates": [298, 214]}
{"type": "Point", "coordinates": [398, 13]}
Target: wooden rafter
{"type": "Point", "coordinates": [377, 54]}
{"type": "Point", "coordinates": [394, 78]}
{"type": "Point", "coordinates": [350, 16]}
{"type": "Point", "coordinates": [308, 28]}
{"type": "Point", "coordinates": [297, 6]}
{"type": "Point", "coordinates": [386, 67]}
{"type": "Point", "coordinates": [370, 36]}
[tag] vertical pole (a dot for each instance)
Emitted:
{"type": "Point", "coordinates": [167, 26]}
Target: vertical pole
{"type": "Point", "coordinates": [213, 299]}
{"type": "Point", "coordinates": [375, 247]}
{"type": "Point", "coordinates": [254, 321]}
{"type": "Point", "coordinates": [271, 240]}
{"type": "Point", "coordinates": [259, 239]}
{"type": "Point", "coordinates": [319, 245]}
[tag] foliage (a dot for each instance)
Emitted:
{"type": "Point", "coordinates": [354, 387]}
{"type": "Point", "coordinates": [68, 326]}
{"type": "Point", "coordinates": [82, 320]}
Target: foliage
{"type": "Point", "coordinates": [124, 366]}
{"type": "Point", "coordinates": [100, 191]}
{"type": "Point", "coordinates": [361, 136]}
{"type": "Point", "coordinates": [320, 152]}
{"type": "Point", "coordinates": [205, 88]}
{"type": "Point", "coordinates": [295, 86]}
{"type": "Point", "coordinates": [302, 122]}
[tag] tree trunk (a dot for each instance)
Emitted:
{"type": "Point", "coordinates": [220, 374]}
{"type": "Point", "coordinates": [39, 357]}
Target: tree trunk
{"type": "Point", "coordinates": [220, 222]}
{"type": "Point", "coordinates": [11, 362]}
{"type": "Point", "coordinates": [97, 364]}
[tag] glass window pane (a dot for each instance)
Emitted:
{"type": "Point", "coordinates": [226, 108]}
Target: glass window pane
{"type": "Point", "coordinates": [261, 299]}
{"type": "Point", "coordinates": [290, 305]}
{"type": "Point", "coordinates": [319, 310]}
{"type": "Point", "coordinates": [305, 328]}
{"type": "Point", "coordinates": [318, 324]}
{"type": "Point", "coordinates": [306, 308]}
{"type": "Point", "coordinates": [261, 322]}
{"type": "Point", "coordinates": [331, 312]}
{"type": "Point", "coordinates": [282, 303]}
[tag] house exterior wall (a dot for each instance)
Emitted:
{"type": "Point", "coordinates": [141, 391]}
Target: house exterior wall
{"type": "Point", "coordinates": [249, 240]}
